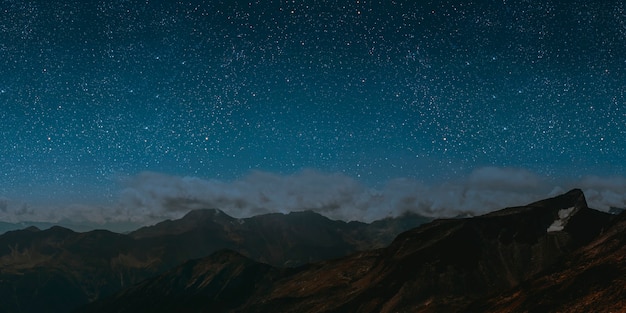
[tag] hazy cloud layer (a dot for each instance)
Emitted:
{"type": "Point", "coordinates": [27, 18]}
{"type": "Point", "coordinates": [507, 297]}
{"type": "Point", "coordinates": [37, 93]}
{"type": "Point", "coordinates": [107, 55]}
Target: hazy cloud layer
{"type": "Point", "coordinates": [150, 197]}
{"type": "Point", "coordinates": [341, 197]}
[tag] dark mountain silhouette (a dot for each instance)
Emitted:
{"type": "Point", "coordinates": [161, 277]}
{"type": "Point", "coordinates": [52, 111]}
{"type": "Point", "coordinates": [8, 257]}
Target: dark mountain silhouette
{"type": "Point", "coordinates": [278, 239]}
{"type": "Point", "coordinates": [121, 227]}
{"type": "Point", "coordinates": [57, 269]}
{"type": "Point", "coordinates": [443, 266]}
{"type": "Point", "coordinates": [5, 227]}
{"type": "Point", "coordinates": [591, 279]}
{"type": "Point", "coordinates": [218, 283]}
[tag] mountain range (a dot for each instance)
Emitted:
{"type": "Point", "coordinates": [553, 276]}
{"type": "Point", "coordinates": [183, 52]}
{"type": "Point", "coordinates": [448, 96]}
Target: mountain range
{"type": "Point", "coordinates": [57, 269]}
{"type": "Point", "coordinates": [552, 255]}
{"type": "Point", "coordinates": [118, 227]}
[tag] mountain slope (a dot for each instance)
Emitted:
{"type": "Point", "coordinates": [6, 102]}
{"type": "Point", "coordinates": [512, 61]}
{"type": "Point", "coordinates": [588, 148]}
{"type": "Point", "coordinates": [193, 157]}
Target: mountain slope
{"type": "Point", "coordinates": [592, 279]}
{"type": "Point", "coordinates": [439, 267]}
{"type": "Point", "coordinates": [444, 265]}
{"type": "Point", "coordinates": [57, 269]}
{"type": "Point", "coordinates": [222, 279]}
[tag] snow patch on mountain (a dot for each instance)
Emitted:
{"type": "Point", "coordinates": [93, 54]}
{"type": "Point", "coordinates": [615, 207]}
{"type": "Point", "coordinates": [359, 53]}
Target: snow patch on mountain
{"type": "Point", "coordinates": [560, 223]}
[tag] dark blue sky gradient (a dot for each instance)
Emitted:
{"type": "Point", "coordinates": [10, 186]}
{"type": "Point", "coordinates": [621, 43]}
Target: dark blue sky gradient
{"type": "Point", "coordinates": [94, 91]}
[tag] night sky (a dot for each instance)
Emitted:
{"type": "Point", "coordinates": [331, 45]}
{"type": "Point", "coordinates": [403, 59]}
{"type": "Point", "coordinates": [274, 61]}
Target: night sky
{"type": "Point", "coordinates": [96, 94]}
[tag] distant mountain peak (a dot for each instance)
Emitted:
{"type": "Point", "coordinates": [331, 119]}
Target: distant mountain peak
{"type": "Point", "coordinates": [193, 220]}
{"type": "Point", "coordinates": [206, 214]}
{"type": "Point", "coordinates": [32, 229]}
{"type": "Point", "coordinates": [56, 229]}
{"type": "Point", "coordinates": [573, 198]}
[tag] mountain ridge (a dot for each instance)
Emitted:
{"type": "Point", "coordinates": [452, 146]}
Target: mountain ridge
{"type": "Point", "coordinates": [91, 265]}
{"type": "Point", "coordinates": [442, 266]}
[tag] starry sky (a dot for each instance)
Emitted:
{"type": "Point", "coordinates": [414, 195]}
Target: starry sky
{"type": "Point", "coordinates": [93, 92]}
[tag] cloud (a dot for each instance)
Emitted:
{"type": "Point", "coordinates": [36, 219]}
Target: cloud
{"type": "Point", "coordinates": [604, 192]}
{"type": "Point", "coordinates": [4, 205]}
{"type": "Point", "coordinates": [257, 193]}
{"type": "Point", "coordinates": [509, 179]}
{"type": "Point", "coordinates": [150, 197]}
{"type": "Point", "coordinates": [333, 194]}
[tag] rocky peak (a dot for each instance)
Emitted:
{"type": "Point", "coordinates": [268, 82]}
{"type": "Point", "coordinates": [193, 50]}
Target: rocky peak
{"type": "Point", "coordinates": [32, 229]}
{"type": "Point", "coordinates": [206, 215]}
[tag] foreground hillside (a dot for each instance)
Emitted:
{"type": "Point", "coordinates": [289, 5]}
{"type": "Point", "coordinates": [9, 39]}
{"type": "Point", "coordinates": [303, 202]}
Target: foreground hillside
{"type": "Point", "coordinates": [445, 266]}
{"type": "Point", "coordinates": [592, 279]}
{"type": "Point", "coordinates": [56, 270]}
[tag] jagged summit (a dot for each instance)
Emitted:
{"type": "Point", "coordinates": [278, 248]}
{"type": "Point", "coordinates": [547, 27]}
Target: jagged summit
{"type": "Point", "coordinates": [573, 198]}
